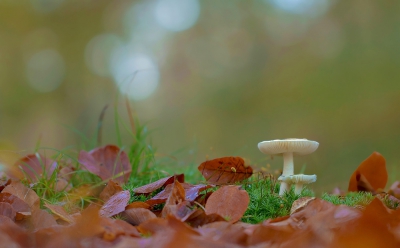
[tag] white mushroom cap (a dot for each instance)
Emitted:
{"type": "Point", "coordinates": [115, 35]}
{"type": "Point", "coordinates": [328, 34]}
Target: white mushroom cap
{"type": "Point", "coordinates": [297, 146]}
{"type": "Point", "coordinates": [298, 179]}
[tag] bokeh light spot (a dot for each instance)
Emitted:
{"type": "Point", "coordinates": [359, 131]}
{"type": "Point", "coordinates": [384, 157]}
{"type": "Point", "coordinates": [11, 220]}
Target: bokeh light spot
{"type": "Point", "coordinates": [136, 75]}
{"type": "Point", "coordinates": [177, 15]}
{"type": "Point", "coordinates": [45, 70]}
{"type": "Point", "coordinates": [98, 53]}
{"type": "Point", "coordinates": [312, 7]}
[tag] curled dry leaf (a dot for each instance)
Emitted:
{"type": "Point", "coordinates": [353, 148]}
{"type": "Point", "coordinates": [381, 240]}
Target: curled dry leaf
{"type": "Point", "coordinates": [300, 203]}
{"type": "Point", "coordinates": [225, 170]}
{"type": "Point", "coordinates": [149, 188]}
{"type": "Point", "coordinates": [199, 218]}
{"type": "Point", "coordinates": [60, 212]}
{"type": "Point", "coordinates": [228, 201]}
{"type": "Point", "coordinates": [107, 162]}
{"type": "Point", "coordinates": [35, 165]}
{"type": "Point", "coordinates": [373, 171]}
{"type": "Point", "coordinates": [116, 204]}
{"type": "Point", "coordinates": [136, 216]}
{"type": "Point", "coordinates": [111, 189]}
{"type": "Point", "coordinates": [21, 191]}
{"type": "Point", "coordinates": [191, 193]}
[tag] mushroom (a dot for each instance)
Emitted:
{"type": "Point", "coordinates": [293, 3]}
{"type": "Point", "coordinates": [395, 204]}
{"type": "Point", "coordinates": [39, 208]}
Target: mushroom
{"type": "Point", "coordinates": [288, 148]}
{"type": "Point", "coordinates": [298, 180]}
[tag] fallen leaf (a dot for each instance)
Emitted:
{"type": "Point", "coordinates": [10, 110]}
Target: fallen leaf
{"type": "Point", "coordinates": [225, 232]}
{"type": "Point", "coordinates": [60, 212]}
{"type": "Point", "coordinates": [191, 193]}
{"type": "Point", "coordinates": [300, 203]}
{"type": "Point", "coordinates": [228, 201]}
{"type": "Point", "coordinates": [107, 162]}
{"type": "Point", "coordinates": [62, 185]}
{"type": "Point", "coordinates": [11, 235]}
{"type": "Point", "coordinates": [199, 218]}
{"type": "Point", "coordinates": [35, 165]}
{"type": "Point", "coordinates": [225, 170]}
{"type": "Point", "coordinates": [136, 216]}
{"type": "Point", "coordinates": [149, 188]}
{"type": "Point", "coordinates": [7, 210]}
{"type": "Point", "coordinates": [176, 196]}
{"type": "Point", "coordinates": [395, 189]}
{"type": "Point", "coordinates": [21, 191]}
{"type": "Point", "coordinates": [116, 204]}
{"type": "Point", "coordinates": [111, 189]}
{"type": "Point", "coordinates": [373, 169]}
{"type": "Point", "coordinates": [152, 226]}
{"type": "Point", "coordinates": [42, 219]}
{"type": "Point", "coordinates": [17, 204]}
{"type": "Point", "coordinates": [137, 204]}
{"type": "Point", "coordinates": [116, 228]}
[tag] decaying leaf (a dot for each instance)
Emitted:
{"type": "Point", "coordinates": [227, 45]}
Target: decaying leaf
{"type": "Point", "coordinates": [17, 204]}
{"type": "Point", "coordinates": [300, 204]}
{"type": "Point", "coordinates": [149, 188]}
{"type": "Point", "coordinates": [229, 202]}
{"type": "Point", "coordinates": [225, 170]}
{"type": "Point", "coordinates": [138, 204]}
{"type": "Point", "coordinates": [116, 204]}
{"type": "Point", "coordinates": [42, 219]}
{"type": "Point", "coordinates": [107, 162]}
{"type": "Point", "coordinates": [35, 165]}
{"type": "Point", "coordinates": [7, 210]}
{"type": "Point", "coordinates": [371, 173]}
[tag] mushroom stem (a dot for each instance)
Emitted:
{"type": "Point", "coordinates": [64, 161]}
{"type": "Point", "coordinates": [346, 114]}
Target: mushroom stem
{"type": "Point", "coordinates": [297, 188]}
{"type": "Point", "coordinates": [288, 169]}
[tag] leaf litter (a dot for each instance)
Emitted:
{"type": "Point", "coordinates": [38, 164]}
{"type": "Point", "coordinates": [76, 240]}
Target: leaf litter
{"type": "Point", "coordinates": [193, 216]}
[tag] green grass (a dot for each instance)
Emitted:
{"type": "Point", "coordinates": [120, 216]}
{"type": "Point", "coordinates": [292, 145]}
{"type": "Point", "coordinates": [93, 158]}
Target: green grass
{"type": "Point", "coordinates": [351, 199]}
{"type": "Point", "coordinates": [265, 202]}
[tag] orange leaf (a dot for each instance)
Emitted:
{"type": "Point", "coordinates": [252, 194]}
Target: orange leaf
{"type": "Point", "coordinates": [111, 189]}
{"type": "Point", "coordinates": [107, 162]}
{"type": "Point", "coordinates": [225, 170]}
{"type": "Point", "coordinates": [228, 201]}
{"type": "Point", "coordinates": [373, 169]}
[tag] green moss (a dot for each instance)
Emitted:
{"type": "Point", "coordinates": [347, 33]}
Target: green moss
{"type": "Point", "coordinates": [351, 199]}
{"type": "Point", "coordinates": [265, 201]}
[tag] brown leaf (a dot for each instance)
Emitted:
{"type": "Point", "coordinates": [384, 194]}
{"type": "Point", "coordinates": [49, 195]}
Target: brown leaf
{"type": "Point", "coordinates": [224, 231]}
{"type": "Point", "coordinates": [136, 216]}
{"type": "Point", "coordinates": [60, 212]}
{"type": "Point", "coordinates": [7, 210]}
{"type": "Point", "coordinates": [111, 189]}
{"type": "Point", "coordinates": [21, 191]}
{"type": "Point", "coordinates": [42, 219]}
{"type": "Point", "coordinates": [300, 203]}
{"type": "Point", "coordinates": [395, 189]}
{"type": "Point", "coordinates": [228, 201]}
{"type": "Point", "coordinates": [115, 228]}
{"type": "Point", "coordinates": [149, 188]}
{"type": "Point", "coordinates": [374, 171]}
{"type": "Point", "coordinates": [12, 235]}
{"type": "Point", "coordinates": [62, 185]}
{"type": "Point", "coordinates": [191, 192]}
{"type": "Point", "coordinates": [225, 170]}
{"type": "Point", "coordinates": [138, 204]}
{"type": "Point", "coordinates": [116, 204]}
{"type": "Point", "coordinates": [107, 162]}
{"type": "Point", "coordinates": [17, 204]}
{"type": "Point", "coordinates": [152, 226]}
{"type": "Point", "coordinates": [35, 165]}
{"type": "Point", "coordinates": [199, 218]}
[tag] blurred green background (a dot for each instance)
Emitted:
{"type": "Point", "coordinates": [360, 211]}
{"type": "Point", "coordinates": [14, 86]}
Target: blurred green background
{"type": "Point", "coordinates": [210, 78]}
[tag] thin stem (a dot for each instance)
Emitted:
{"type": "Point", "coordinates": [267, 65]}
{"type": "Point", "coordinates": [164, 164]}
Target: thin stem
{"type": "Point", "coordinates": [288, 169]}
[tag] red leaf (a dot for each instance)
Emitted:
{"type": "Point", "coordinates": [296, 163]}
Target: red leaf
{"type": "Point", "coordinates": [225, 170]}
{"type": "Point", "coordinates": [228, 201]}
{"type": "Point", "coordinates": [116, 204]}
{"type": "Point", "coordinates": [35, 165]}
{"type": "Point", "coordinates": [374, 171]}
{"type": "Point", "coordinates": [149, 188]}
{"type": "Point", "coordinates": [107, 162]}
